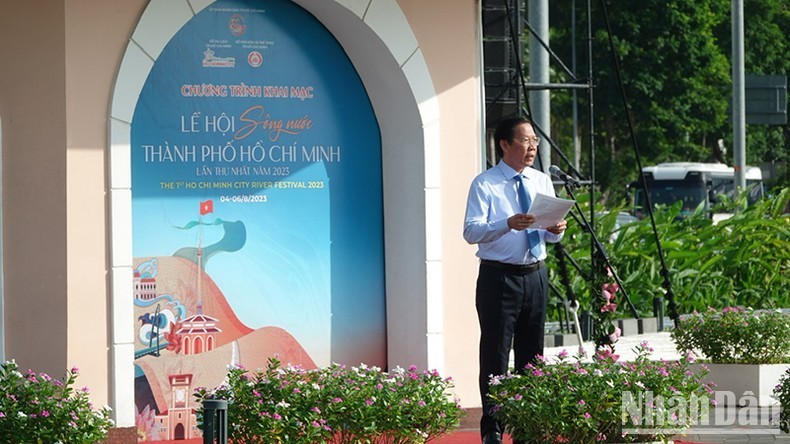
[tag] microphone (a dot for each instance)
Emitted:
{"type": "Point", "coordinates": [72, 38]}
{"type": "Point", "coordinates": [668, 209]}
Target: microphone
{"type": "Point", "coordinates": [561, 175]}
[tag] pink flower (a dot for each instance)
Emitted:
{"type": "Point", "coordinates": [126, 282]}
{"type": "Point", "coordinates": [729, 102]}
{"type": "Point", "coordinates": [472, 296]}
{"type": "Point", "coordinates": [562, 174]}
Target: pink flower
{"type": "Point", "coordinates": [646, 346]}
{"type": "Point", "coordinates": [613, 337]}
{"type": "Point", "coordinates": [605, 354]}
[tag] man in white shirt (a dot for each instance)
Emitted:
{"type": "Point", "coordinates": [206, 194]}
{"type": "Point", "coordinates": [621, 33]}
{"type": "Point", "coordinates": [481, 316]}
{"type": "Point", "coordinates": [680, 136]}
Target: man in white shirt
{"type": "Point", "coordinates": [512, 285]}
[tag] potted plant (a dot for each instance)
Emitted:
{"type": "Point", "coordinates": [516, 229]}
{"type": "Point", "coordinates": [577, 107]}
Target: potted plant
{"type": "Point", "coordinates": [600, 400]}
{"type": "Point", "coordinates": [35, 408]}
{"type": "Point", "coordinates": [335, 404]}
{"type": "Point", "coordinates": [782, 394]}
{"type": "Point", "coordinates": [746, 351]}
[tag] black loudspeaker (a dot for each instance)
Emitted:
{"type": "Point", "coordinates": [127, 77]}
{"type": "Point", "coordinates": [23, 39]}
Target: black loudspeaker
{"type": "Point", "coordinates": [500, 61]}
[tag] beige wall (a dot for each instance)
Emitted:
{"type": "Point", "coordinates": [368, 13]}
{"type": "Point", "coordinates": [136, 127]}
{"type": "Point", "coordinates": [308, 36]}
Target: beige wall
{"type": "Point", "coordinates": [33, 111]}
{"type": "Point", "coordinates": [96, 36]}
{"type": "Point", "coordinates": [447, 32]}
{"type": "Point", "coordinates": [59, 64]}
{"type": "Point", "coordinates": [54, 102]}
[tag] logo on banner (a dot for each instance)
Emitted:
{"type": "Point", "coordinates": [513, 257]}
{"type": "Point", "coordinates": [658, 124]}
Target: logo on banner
{"type": "Point", "coordinates": [212, 61]}
{"type": "Point", "coordinates": [255, 59]}
{"type": "Point", "coordinates": [237, 25]}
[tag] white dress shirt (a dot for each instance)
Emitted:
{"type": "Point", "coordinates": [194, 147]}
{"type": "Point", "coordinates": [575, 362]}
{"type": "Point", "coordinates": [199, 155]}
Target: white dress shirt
{"type": "Point", "coordinates": [492, 200]}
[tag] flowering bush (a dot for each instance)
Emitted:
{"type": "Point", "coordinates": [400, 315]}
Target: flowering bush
{"type": "Point", "coordinates": [736, 335]}
{"type": "Point", "coordinates": [604, 400]}
{"type": "Point", "coordinates": [604, 306]}
{"type": "Point", "coordinates": [782, 394]}
{"type": "Point", "coordinates": [34, 409]}
{"type": "Point", "coordinates": [335, 405]}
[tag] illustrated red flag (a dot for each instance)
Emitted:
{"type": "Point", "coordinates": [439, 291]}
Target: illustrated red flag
{"type": "Point", "coordinates": [206, 207]}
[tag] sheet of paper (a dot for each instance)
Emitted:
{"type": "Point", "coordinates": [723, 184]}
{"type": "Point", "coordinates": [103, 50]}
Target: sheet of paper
{"type": "Point", "coordinates": [548, 210]}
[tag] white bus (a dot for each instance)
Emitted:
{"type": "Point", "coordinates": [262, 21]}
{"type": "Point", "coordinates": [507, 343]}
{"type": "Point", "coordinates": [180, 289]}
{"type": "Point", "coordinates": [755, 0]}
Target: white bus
{"type": "Point", "coordinates": [693, 184]}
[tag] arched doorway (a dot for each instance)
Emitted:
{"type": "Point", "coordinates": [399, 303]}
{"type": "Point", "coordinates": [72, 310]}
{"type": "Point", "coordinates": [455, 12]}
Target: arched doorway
{"type": "Point", "coordinates": [379, 41]}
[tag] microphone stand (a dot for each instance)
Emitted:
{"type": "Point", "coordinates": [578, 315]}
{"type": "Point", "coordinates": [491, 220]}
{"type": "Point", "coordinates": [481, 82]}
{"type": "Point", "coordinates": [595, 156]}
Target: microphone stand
{"type": "Point", "coordinates": [601, 253]}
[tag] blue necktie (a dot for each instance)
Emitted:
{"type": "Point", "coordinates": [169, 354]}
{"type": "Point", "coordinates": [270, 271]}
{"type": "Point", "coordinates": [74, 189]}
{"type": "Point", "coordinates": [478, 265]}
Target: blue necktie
{"type": "Point", "coordinates": [533, 237]}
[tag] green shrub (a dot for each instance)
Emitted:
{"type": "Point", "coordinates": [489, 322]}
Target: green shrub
{"type": "Point", "coordinates": [573, 401]}
{"type": "Point", "coordinates": [335, 404]}
{"type": "Point", "coordinates": [782, 394]}
{"type": "Point", "coordinates": [36, 409]}
{"type": "Point", "coordinates": [736, 335]}
{"type": "Point", "coordinates": [741, 261]}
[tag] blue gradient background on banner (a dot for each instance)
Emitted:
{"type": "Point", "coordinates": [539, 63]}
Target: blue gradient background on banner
{"type": "Point", "coordinates": [312, 261]}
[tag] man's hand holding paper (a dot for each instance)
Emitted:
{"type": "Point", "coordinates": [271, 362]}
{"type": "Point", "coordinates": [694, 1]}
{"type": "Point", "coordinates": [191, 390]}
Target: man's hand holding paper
{"type": "Point", "coordinates": [549, 211]}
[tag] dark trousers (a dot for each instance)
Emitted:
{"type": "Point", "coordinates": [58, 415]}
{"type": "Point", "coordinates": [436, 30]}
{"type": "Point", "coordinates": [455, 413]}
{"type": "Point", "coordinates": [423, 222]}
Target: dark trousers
{"type": "Point", "coordinates": [511, 309]}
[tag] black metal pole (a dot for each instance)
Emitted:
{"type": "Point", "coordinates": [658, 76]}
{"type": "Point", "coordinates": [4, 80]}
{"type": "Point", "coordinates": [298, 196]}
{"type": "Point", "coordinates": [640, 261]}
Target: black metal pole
{"type": "Point", "coordinates": [591, 122]}
{"type": "Point", "coordinates": [667, 283]}
{"type": "Point", "coordinates": [599, 253]}
{"type": "Point", "coordinates": [215, 421]}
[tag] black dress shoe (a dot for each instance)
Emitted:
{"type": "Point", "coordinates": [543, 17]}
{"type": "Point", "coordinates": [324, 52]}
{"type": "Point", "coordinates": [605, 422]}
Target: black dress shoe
{"type": "Point", "coordinates": [492, 437]}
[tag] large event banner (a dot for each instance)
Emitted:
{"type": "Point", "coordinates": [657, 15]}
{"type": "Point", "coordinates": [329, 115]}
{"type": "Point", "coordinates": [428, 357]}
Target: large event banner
{"type": "Point", "coordinates": [256, 208]}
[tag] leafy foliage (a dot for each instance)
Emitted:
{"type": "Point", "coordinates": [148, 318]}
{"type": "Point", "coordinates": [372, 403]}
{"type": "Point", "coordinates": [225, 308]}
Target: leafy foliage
{"type": "Point", "coordinates": [36, 409]}
{"type": "Point", "coordinates": [335, 405]}
{"type": "Point", "coordinates": [591, 401]}
{"type": "Point", "coordinates": [675, 61]}
{"type": "Point", "coordinates": [740, 261]}
{"type": "Point", "coordinates": [736, 336]}
{"type": "Point", "coordinates": [782, 393]}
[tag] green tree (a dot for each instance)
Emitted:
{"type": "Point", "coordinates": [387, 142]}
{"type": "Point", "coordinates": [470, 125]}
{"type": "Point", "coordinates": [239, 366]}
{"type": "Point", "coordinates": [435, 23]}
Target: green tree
{"type": "Point", "coordinates": [674, 56]}
{"type": "Point", "coordinates": [766, 25]}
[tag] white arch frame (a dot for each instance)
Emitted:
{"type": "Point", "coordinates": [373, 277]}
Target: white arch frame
{"type": "Point", "coordinates": [380, 43]}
